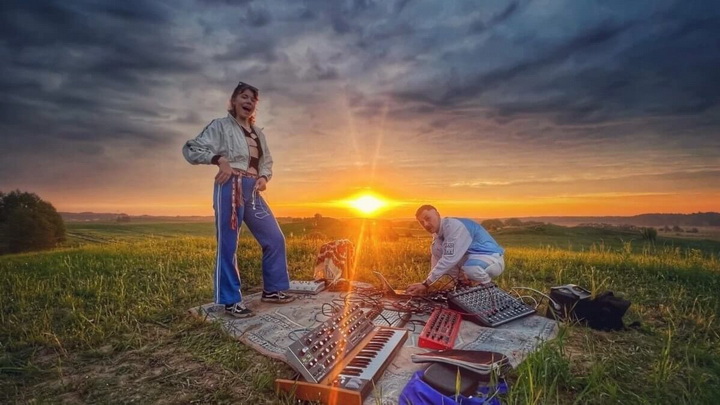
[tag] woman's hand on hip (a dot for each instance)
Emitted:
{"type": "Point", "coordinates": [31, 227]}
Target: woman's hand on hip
{"type": "Point", "coordinates": [224, 171]}
{"type": "Point", "coordinates": [261, 184]}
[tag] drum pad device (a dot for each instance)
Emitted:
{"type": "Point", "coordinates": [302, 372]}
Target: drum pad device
{"type": "Point", "coordinates": [441, 329]}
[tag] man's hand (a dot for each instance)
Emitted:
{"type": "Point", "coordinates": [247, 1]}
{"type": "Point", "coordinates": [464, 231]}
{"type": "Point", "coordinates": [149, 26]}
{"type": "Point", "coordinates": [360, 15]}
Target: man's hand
{"type": "Point", "coordinates": [224, 171]}
{"type": "Point", "coordinates": [417, 289]}
{"type": "Point", "coordinates": [261, 184]}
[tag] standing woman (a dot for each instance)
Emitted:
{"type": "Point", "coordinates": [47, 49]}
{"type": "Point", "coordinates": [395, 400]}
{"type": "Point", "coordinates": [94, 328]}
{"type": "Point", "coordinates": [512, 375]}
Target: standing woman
{"type": "Point", "coordinates": [244, 163]}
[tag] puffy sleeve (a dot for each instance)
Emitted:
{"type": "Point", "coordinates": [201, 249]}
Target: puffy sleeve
{"type": "Point", "coordinates": [206, 145]}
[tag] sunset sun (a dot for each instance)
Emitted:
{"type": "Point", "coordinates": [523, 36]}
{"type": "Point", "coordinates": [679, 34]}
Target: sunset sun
{"type": "Point", "coordinates": [367, 204]}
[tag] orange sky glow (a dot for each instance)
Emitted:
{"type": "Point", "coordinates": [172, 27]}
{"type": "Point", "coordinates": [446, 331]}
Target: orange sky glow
{"type": "Point", "coordinates": [405, 206]}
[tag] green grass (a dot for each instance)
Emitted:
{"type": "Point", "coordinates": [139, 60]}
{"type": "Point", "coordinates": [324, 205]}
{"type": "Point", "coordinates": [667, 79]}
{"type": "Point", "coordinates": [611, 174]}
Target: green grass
{"type": "Point", "coordinates": [583, 238]}
{"type": "Point", "coordinates": [80, 233]}
{"type": "Point", "coordinates": [104, 320]}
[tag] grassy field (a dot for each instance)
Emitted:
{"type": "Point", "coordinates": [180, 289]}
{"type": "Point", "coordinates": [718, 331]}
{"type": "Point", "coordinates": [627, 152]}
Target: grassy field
{"type": "Point", "coordinates": [104, 319]}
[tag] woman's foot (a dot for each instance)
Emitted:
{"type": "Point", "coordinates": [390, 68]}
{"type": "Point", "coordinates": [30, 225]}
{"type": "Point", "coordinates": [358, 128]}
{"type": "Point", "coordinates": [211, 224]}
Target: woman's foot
{"type": "Point", "coordinates": [239, 310]}
{"type": "Point", "coordinates": [277, 297]}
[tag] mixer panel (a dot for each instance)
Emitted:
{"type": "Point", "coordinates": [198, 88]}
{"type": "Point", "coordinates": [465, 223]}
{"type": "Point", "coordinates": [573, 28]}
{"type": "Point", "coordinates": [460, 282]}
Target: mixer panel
{"type": "Point", "coordinates": [488, 305]}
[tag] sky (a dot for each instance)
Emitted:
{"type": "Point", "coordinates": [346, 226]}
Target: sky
{"type": "Point", "coordinates": [482, 108]}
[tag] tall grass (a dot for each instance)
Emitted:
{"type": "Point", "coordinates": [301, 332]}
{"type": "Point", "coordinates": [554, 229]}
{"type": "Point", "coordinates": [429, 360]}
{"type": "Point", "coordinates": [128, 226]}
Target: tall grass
{"type": "Point", "coordinates": [108, 323]}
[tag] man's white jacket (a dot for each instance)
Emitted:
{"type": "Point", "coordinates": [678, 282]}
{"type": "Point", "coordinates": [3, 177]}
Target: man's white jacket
{"type": "Point", "coordinates": [456, 239]}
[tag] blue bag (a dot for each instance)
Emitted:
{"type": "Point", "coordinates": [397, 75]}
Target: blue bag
{"type": "Point", "coordinates": [418, 392]}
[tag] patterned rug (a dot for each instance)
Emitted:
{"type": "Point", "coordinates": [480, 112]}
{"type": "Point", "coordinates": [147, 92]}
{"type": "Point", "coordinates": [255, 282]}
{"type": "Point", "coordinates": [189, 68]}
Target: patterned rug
{"type": "Point", "coordinates": [275, 327]}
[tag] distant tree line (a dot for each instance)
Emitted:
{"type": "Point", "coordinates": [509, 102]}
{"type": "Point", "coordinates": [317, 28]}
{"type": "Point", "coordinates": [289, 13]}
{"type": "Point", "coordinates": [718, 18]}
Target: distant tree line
{"type": "Point", "coordinates": [495, 224]}
{"type": "Point", "coordinates": [28, 223]}
{"type": "Point", "coordinates": [676, 228]}
{"type": "Point", "coordinates": [687, 220]}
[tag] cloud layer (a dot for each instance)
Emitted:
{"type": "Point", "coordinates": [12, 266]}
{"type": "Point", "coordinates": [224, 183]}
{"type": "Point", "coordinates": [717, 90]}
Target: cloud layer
{"type": "Point", "coordinates": [492, 98]}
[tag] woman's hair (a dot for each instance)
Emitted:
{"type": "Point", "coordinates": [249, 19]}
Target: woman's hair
{"type": "Point", "coordinates": [239, 89]}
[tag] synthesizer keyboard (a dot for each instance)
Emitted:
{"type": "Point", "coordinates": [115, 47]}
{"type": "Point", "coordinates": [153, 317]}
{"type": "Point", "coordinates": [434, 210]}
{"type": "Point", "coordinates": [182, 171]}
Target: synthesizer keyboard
{"type": "Point", "coordinates": [341, 359]}
{"type": "Point", "coordinates": [440, 330]}
{"type": "Point", "coordinates": [318, 351]}
{"type": "Point", "coordinates": [487, 305]}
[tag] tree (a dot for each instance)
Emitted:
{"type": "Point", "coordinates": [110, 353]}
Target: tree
{"type": "Point", "coordinates": [649, 234]}
{"type": "Point", "coordinates": [492, 224]}
{"type": "Point", "coordinates": [513, 222]}
{"type": "Point", "coordinates": [28, 223]}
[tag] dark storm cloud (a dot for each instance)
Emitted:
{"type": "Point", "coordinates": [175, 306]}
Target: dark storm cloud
{"type": "Point", "coordinates": [32, 22]}
{"type": "Point", "coordinates": [100, 82]}
{"type": "Point", "coordinates": [632, 61]}
{"type": "Point", "coordinates": [575, 63]}
{"type": "Point", "coordinates": [583, 42]}
{"type": "Point", "coordinates": [88, 63]}
{"type": "Point", "coordinates": [258, 17]}
{"type": "Point", "coordinates": [482, 24]}
{"type": "Point", "coordinates": [224, 2]}
{"type": "Point", "coordinates": [262, 49]}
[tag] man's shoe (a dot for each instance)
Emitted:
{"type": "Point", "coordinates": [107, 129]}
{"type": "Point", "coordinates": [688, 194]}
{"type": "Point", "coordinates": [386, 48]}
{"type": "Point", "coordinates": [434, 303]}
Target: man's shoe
{"type": "Point", "coordinates": [277, 297]}
{"type": "Point", "coordinates": [239, 310]}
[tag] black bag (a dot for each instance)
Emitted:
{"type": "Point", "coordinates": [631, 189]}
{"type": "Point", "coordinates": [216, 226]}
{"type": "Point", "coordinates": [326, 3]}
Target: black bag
{"type": "Point", "coordinates": [573, 303]}
{"type": "Point", "coordinates": [605, 312]}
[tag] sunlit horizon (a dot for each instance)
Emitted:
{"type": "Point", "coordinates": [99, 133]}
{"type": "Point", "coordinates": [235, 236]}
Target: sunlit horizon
{"type": "Point", "coordinates": [392, 208]}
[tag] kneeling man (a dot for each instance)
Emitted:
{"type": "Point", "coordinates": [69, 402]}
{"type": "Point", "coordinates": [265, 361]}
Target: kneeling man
{"type": "Point", "coordinates": [459, 245]}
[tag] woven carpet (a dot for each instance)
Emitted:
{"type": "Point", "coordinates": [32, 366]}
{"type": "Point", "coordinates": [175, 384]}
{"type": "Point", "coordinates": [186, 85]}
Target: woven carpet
{"type": "Point", "coordinates": [275, 327]}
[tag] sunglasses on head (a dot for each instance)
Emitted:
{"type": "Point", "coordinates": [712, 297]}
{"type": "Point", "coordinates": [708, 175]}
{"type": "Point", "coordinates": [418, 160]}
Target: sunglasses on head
{"type": "Point", "coordinates": [247, 86]}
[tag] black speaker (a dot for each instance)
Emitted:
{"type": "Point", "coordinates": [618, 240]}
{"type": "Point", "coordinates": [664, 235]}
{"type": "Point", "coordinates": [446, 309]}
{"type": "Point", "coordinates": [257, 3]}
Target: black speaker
{"type": "Point", "coordinates": [569, 303]}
